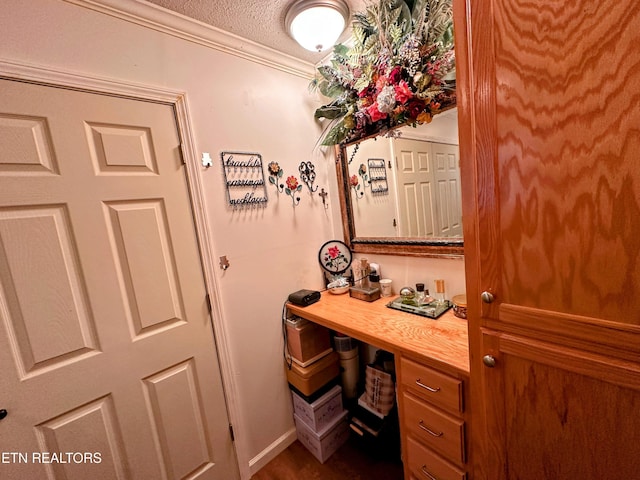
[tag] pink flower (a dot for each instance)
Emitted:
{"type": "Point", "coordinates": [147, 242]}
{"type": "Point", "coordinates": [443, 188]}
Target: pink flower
{"type": "Point", "coordinates": [333, 252]}
{"type": "Point", "coordinates": [375, 114]}
{"type": "Point", "coordinates": [292, 183]}
{"type": "Point", "coordinates": [403, 92]}
{"type": "Point", "coordinates": [353, 180]}
{"type": "Point", "coordinates": [381, 82]}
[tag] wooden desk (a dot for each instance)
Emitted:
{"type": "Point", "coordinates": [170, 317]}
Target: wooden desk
{"type": "Point", "coordinates": [432, 376]}
{"type": "Point", "coordinates": [442, 342]}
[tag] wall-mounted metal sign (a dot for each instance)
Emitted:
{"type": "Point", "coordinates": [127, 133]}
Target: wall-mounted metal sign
{"type": "Point", "coordinates": [378, 176]}
{"type": "Point", "coordinates": [244, 179]}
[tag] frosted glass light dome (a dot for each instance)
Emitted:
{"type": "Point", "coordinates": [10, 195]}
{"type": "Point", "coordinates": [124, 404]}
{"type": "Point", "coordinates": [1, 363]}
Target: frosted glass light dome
{"type": "Point", "coordinates": [317, 25]}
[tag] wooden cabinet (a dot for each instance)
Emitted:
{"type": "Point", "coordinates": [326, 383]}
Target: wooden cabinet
{"type": "Point", "coordinates": [432, 419]}
{"type": "Point", "coordinates": [549, 148]}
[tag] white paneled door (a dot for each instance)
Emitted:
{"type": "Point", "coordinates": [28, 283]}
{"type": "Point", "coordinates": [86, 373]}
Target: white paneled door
{"type": "Point", "coordinates": [428, 186]}
{"type": "Point", "coordinates": [109, 368]}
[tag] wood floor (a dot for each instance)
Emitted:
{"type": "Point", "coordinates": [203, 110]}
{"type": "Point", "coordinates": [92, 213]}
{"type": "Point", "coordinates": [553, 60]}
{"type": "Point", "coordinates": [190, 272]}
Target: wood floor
{"type": "Point", "coordinates": [353, 461]}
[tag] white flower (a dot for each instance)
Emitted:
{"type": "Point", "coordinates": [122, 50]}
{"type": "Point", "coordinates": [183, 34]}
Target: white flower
{"type": "Point", "coordinates": [386, 99]}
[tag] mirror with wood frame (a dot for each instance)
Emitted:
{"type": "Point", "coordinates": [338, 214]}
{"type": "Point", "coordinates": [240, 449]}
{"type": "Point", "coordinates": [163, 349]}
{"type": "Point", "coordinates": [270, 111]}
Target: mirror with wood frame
{"type": "Point", "coordinates": [400, 192]}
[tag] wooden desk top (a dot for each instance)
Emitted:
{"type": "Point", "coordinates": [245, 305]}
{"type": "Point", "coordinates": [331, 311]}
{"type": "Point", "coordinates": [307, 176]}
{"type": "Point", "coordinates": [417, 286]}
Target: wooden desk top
{"type": "Point", "coordinates": [442, 342]}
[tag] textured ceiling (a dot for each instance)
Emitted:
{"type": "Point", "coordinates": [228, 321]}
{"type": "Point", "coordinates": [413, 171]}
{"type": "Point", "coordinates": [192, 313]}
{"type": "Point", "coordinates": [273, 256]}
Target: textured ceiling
{"type": "Point", "coordinates": [261, 21]}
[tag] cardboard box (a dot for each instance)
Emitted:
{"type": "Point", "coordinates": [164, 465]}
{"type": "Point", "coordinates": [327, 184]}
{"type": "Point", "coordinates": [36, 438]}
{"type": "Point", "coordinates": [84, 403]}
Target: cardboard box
{"type": "Point", "coordinates": [310, 379]}
{"type": "Point", "coordinates": [323, 444]}
{"type": "Point", "coordinates": [308, 342]}
{"type": "Point", "coordinates": [320, 413]}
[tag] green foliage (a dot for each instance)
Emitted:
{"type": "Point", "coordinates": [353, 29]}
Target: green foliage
{"type": "Point", "coordinates": [403, 51]}
{"type": "Point", "coordinates": [330, 112]}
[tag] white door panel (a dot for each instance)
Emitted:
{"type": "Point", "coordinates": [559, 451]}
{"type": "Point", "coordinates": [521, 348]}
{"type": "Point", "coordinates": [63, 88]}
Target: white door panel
{"type": "Point", "coordinates": [105, 336]}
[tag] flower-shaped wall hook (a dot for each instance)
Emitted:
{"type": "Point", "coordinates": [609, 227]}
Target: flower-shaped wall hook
{"type": "Point", "coordinates": [293, 187]}
{"type": "Point", "coordinates": [275, 173]}
{"type": "Point", "coordinates": [354, 183]}
{"type": "Point", "coordinates": [362, 171]}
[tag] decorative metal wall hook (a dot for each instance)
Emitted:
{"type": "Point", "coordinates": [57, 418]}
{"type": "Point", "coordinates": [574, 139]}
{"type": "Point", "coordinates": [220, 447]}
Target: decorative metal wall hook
{"type": "Point", "coordinates": [308, 175]}
{"type": "Point", "coordinates": [324, 195]}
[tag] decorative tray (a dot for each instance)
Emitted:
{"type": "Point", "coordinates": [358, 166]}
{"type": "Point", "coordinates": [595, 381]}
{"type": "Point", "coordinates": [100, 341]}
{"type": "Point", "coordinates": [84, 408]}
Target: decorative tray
{"type": "Point", "coordinates": [430, 310]}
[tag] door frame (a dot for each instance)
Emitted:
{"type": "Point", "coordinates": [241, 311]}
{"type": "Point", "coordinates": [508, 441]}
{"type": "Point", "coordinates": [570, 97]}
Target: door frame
{"type": "Point", "coordinates": [68, 79]}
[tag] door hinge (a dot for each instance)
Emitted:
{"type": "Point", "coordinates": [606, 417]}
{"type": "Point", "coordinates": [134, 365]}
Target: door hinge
{"type": "Point", "coordinates": [207, 299]}
{"type": "Point", "coordinates": [181, 150]}
{"type": "Point", "coordinates": [233, 438]}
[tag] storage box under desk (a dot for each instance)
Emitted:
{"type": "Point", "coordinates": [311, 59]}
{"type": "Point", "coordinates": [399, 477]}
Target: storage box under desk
{"type": "Point", "coordinates": [307, 342]}
{"type": "Point", "coordinates": [320, 413]}
{"type": "Point", "coordinates": [324, 443]}
{"type": "Point", "coordinates": [309, 379]}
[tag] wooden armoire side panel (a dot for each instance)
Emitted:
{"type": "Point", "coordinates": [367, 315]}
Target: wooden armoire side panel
{"type": "Point", "coordinates": [566, 425]}
{"type": "Point", "coordinates": [567, 86]}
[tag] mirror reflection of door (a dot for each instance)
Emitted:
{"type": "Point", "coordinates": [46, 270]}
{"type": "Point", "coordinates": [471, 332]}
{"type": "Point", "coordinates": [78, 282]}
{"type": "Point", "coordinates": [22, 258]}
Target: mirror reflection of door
{"type": "Point", "coordinates": [428, 188]}
{"type": "Point", "coordinates": [423, 200]}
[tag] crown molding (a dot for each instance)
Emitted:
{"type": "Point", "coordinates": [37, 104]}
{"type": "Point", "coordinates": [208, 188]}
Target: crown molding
{"type": "Point", "coordinates": [162, 20]}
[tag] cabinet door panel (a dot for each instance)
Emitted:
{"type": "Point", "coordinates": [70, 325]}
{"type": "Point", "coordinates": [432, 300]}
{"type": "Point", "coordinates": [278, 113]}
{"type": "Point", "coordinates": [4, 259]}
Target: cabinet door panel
{"type": "Point", "coordinates": [568, 194]}
{"type": "Point", "coordinates": [563, 418]}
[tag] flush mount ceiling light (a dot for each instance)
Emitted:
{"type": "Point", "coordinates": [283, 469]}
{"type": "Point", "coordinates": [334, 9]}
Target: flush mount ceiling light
{"type": "Point", "coordinates": [316, 24]}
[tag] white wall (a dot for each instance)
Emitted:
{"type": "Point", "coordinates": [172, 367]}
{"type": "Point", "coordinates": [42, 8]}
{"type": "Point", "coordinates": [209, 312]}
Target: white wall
{"type": "Point", "coordinates": [235, 104]}
{"type": "Point", "coordinates": [373, 214]}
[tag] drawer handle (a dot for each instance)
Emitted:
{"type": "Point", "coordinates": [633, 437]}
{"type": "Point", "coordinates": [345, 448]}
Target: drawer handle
{"type": "Point", "coordinates": [426, 473]}
{"type": "Point", "coordinates": [428, 430]}
{"type": "Point", "coordinates": [427, 387]}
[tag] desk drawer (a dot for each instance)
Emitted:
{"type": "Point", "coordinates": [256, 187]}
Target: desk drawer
{"type": "Point", "coordinates": [434, 428]}
{"type": "Point", "coordinates": [427, 465]}
{"type": "Point", "coordinates": [431, 385]}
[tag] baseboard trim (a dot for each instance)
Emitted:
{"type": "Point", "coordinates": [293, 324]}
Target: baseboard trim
{"type": "Point", "coordinates": [272, 451]}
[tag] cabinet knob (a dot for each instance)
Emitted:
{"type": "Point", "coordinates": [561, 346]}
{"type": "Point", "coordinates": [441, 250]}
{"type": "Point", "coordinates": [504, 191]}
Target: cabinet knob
{"type": "Point", "coordinates": [487, 297]}
{"type": "Point", "coordinates": [3, 413]}
{"type": "Point", "coordinates": [489, 361]}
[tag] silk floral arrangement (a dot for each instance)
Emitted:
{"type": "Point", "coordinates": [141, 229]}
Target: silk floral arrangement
{"type": "Point", "coordinates": [400, 70]}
